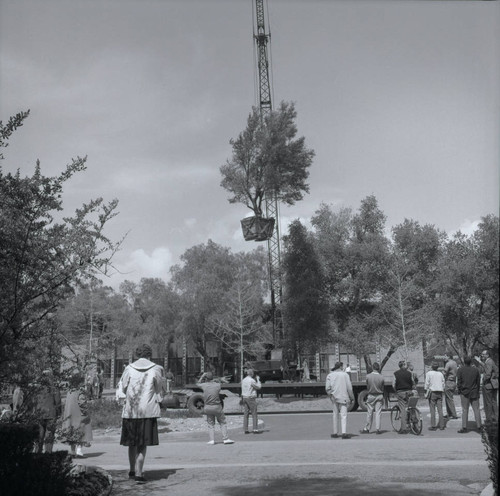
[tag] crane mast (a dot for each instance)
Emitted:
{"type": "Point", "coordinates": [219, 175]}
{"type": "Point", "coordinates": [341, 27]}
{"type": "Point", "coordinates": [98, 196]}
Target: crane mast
{"type": "Point", "coordinates": [262, 39]}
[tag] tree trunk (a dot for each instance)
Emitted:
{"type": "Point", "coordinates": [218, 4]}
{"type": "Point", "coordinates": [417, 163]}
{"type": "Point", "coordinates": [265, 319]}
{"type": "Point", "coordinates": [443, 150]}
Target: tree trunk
{"type": "Point", "coordinates": [390, 352]}
{"type": "Point", "coordinates": [368, 363]}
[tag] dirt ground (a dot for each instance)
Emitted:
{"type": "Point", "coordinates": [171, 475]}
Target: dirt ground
{"type": "Point", "coordinates": [177, 421]}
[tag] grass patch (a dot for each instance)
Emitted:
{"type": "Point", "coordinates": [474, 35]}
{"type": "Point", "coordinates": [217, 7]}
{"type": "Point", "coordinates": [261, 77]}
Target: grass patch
{"type": "Point", "coordinates": [105, 413]}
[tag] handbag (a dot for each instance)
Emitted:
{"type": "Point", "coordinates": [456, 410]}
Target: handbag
{"type": "Point", "coordinates": [427, 394]}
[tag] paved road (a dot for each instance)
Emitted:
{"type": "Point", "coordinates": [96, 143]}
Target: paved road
{"type": "Point", "coordinates": [295, 456]}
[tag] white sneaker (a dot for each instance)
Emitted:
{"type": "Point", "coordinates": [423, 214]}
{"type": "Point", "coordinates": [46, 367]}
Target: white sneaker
{"type": "Point", "coordinates": [228, 441]}
{"type": "Point", "coordinates": [211, 442]}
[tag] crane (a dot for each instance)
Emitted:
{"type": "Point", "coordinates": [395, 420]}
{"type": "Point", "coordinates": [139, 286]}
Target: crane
{"type": "Point", "coordinates": [262, 39]}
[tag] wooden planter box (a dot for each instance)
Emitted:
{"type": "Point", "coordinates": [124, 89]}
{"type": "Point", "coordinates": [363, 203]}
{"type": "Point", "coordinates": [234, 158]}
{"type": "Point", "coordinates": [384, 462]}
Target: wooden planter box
{"type": "Point", "coordinates": [257, 228]}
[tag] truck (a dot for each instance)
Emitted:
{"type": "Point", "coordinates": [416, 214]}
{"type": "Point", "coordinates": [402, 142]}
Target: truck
{"type": "Point", "coordinates": [191, 396]}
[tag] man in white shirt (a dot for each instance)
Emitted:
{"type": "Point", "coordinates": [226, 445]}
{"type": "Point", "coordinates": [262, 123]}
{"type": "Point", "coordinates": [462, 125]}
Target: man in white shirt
{"type": "Point", "coordinates": [249, 388]}
{"type": "Point", "coordinates": [434, 382]}
{"type": "Point", "coordinates": [339, 389]}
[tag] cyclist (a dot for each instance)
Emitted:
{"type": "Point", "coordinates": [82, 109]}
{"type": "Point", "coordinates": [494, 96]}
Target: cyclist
{"type": "Point", "coordinates": [403, 385]}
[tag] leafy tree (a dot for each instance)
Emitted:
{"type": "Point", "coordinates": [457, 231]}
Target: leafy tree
{"type": "Point", "coordinates": [94, 322]}
{"type": "Point", "coordinates": [466, 290]}
{"type": "Point", "coordinates": [268, 159]}
{"type": "Point", "coordinates": [238, 322]}
{"type": "Point", "coordinates": [306, 307]}
{"type": "Point", "coordinates": [403, 319]}
{"type": "Point", "coordinates": [156, 305]}
{"type": "Point", "coordinates": [41, 260]}
{"type": "Point", "coordinates": [210, 283]}
{"type": "Point", "coordinates": [354, 253]}
{"type": "Point", "coordinates": [202, 281]}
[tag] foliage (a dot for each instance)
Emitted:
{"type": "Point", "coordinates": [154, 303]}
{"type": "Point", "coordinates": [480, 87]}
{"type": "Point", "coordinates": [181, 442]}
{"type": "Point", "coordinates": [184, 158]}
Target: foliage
{"type": "Point", "coordinates": [238, 321]}
{"type": "Point", "coordinates": [41, 259]}
{"type": "Point", "coordinates": [156, 306]}
{"type": "Point", "coordinates": [24, 472]}
{"type": "Point", "coordinates": [489, 438]}
{"type": "Point", "coordinates": [94, 320]}
{"type": "Point", "coordinates": [306, 305]}
{"type": "Point", "coordinates": [206, 275]}
{"type": "Point", "coordinates": [353, 252]}
{"type": "Point", "coordinates": [87, 483]}
{"type": "Point", "coordinates": [403, 318]}
{"type": "Point", "coordinates": [268, 160]}
{"type": "Point", "coordinates": [17, 440]}
{"type": "Point", "coordinates": [466, 300]}
{"type": "Point", "coordinates": [6, 130]}
{"type": "Point", "coordinates": [105, 413]}
{"type": "Point", "coordinates": [36, 474]}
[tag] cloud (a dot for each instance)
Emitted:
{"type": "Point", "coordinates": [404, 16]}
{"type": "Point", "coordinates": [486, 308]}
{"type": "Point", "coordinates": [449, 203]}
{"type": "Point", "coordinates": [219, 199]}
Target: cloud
{"type": "Point", "coordinates": [191, 222]}
{"type": "Point", "coordinates": [468, 227]}
{"type": "Point", "coordinates": [141, 264]}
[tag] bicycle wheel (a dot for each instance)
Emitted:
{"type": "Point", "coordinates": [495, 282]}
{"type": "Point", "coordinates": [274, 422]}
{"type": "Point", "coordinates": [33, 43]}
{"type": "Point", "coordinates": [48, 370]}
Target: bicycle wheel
{"type": "Point", "coordinates": [415, 421]}
{"type": "Point", "coordinates": [396, 418]}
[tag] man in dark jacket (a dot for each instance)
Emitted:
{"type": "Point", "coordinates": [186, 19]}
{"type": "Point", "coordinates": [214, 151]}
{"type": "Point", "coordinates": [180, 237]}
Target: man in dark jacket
{"type": "Point", "coordinates": [490, 387]}
{"type": "Point", "coordinates": [403, 385]}
{"type": "Point", "coordinates": [48, 409]}
{"type": "Point", "coordinates": [468, 383]}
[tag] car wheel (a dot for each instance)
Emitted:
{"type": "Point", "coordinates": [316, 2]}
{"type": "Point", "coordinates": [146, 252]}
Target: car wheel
{"type": "Point", "coordinates": [196, 404]}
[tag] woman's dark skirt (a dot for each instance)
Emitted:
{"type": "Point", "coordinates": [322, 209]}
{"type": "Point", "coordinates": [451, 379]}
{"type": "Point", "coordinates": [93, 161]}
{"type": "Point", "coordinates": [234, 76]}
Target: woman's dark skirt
{"type": "Point", "coordinates": [139, 432]}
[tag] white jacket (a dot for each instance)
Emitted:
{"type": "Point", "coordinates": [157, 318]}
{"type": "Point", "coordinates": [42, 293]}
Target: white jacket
{"type": "Point", "coordinates": [142, 384]}
{"type": "Point", "coordinates": [338, 385]}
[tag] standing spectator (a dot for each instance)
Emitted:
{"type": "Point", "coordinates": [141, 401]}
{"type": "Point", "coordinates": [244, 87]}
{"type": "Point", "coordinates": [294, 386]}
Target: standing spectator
{"type": "Point", "coordinates": [169, 376]}
{"type": "Point", "coordinates": [75, 421]}
{"type": "Point", "coordinates": [143, 383]}
{"type": "Point", "coordinates": [48, 409]}
{"type": "Point", "coordinates": [490, 387]}
{"type": "Point", "coordinates": [435, 384]}
{"type": "Point", "coordinates": [249, 388]}
{"type": "Point", "coordinates": [339, 389]}
{"type": "Point", "coordinates": [17, 398]}
{"type": "Point", "coordinates": [402, 383]}
{"type": "Point", "coordinates": [100, 382]}
{"type": "Point", "coordinates": [450, 386]}
{"type": "Point", "coordinates": [306, 375]}
{"type": "Point", "coordinates": [214, 408]}
{"type": "Point", "coordinates": [413, 374]}
{"type": "Point", "coordinates": [375, 399]}
{"type": "Point", "coordinates": [348, 370]}
{"type": "Point", "coordinates": [469, 383]}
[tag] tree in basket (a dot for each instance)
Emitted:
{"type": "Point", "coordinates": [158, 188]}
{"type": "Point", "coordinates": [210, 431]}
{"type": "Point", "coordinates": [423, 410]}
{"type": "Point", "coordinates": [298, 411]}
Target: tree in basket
{"type": "Point", "coordinates": [267, 160]}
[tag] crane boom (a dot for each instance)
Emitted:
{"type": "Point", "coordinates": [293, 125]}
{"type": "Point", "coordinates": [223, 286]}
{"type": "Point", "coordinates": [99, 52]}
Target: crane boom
{"type": "Point", "coordinates": [262, 39]}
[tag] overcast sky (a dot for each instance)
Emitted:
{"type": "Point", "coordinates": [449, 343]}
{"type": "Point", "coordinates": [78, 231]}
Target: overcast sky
{"type": "Point", "coordinates": [400, 99]}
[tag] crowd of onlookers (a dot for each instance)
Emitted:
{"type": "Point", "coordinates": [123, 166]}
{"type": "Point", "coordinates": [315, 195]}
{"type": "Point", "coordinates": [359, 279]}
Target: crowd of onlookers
{"type": "Point", "coordinates": [44, 406]}
{"type": "Point", "coordinates": [144, 384]}
{"type": "Point", "coordinates": [477, 376]}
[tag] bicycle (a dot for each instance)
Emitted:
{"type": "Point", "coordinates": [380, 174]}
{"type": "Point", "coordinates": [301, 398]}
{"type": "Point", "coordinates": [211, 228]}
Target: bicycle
{"type": "Point", "coordinates": [413, 417]}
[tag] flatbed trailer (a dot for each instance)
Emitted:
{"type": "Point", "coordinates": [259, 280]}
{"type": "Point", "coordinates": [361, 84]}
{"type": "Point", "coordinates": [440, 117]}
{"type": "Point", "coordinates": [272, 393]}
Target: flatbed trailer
{"type": "Point", "coordinates": [191, 396]}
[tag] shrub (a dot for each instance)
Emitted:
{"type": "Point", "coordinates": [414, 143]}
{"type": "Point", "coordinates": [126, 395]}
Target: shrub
{"type": "Point", "coordinates": [87, 483]}
{"type": "Point", "coordinates": [37, 475]}
{"type": "Point", "coordinates": [489, 437]}
{"type": "Point", "coordinates": [104, 413]}
{"type": "Point", "coordinates": [17, 440]}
